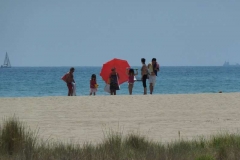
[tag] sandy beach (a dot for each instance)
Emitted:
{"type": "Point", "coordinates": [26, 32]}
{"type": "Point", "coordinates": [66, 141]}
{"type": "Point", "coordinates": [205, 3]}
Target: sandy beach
{"type": "Point", "coordinates": [158, 117]}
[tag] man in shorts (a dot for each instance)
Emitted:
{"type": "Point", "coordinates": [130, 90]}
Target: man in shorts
{"type": "Point", "coordinates": [153, 68]}
{"type": "Point", "coordinates": [69, 81]}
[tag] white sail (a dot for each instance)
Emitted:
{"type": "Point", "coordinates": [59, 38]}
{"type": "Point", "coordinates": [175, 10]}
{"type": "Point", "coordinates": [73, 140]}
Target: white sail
{"type": "Point", "coordinates": [6, 63]}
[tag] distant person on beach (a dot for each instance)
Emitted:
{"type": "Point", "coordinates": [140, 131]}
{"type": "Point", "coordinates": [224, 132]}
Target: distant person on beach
{"type": "Point", "coordinates": [93, 85]}
{"type": "Point", "coordinates": [70, 81]}
{"type": "Point", "coordinates": [131, 75]}
{"type": "Point", "coordinates": [153, 68]}
{"type": "Point", "coordinates": [144, 74]}
{"type": "Point", "coordinates": [113, 81]}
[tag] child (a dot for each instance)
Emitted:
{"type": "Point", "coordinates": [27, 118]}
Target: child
{"type": "Point", "coordinates": [93, 85]}
{"type": "Point", "coordinates": [131, 74]}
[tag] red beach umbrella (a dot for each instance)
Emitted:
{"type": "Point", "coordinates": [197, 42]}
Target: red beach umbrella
{"type": "Point", "coordinates": [120, 66]}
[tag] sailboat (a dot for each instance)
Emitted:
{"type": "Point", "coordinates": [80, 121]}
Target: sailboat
{"type": "Point", "coordinates": [6, 63]}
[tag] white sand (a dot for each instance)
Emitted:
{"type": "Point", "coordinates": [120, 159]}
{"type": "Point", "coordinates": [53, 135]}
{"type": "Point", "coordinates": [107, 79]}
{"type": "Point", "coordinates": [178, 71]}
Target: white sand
{"type": "Point", "coordinates": [159, 117]}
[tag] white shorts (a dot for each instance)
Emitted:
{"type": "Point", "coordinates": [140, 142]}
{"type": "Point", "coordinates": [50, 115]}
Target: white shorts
{"type": "Point", "coordinates": [93, 90]}
{"type": "Point", "coordinates": [152, 79]}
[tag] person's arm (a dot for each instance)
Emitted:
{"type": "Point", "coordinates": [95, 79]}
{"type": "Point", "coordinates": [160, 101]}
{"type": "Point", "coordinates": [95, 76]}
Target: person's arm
{"type": "Point", "coordinates": [143, 70]}
{"type": "Point", "coordinates": [118, 76]}
{"type": "Point", "coordinates": [158, 67]}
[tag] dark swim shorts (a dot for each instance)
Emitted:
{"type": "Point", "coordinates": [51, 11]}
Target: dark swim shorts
{"type": "Point", "coordinates": [144, 79]}
{"type": "Point", "coordinates": [70, 86]}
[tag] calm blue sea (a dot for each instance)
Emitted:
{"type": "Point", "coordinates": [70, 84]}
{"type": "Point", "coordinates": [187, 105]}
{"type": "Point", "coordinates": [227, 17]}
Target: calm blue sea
{"type": "Point", "coordinates": [46, 81]}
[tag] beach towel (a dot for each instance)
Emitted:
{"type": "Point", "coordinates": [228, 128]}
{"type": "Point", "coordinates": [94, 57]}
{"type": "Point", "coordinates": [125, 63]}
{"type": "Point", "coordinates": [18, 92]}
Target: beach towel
{"type": "Point", "coordinates": [64, 77]}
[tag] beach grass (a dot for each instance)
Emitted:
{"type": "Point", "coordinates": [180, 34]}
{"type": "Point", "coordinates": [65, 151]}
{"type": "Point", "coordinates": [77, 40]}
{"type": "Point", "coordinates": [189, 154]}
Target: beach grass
{"type": "Point", "coordinates": [17, 141]}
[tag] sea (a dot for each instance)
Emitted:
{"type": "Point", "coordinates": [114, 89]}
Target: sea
{"type": "Point", "coordinates": [46, 81]}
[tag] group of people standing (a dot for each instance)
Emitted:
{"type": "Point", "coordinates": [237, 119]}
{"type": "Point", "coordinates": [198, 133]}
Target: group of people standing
{"type": "Point", "coordinates": [147, 72]}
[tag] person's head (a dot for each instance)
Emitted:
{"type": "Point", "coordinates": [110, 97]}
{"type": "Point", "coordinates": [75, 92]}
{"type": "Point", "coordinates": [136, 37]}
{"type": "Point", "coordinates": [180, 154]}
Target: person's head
{"type": "Point", "coordinates": [113, 69]}
{"type": "Point", "coordinates": [93, 77]}
{"type": "Point", "coordinates": [143, 60]}
{"type": "Point", "coordinates": [154, 60]}
{"type": "Point", "coordinates": [131, 71]}
{"type": "Point", "coordinates": [72, 69]}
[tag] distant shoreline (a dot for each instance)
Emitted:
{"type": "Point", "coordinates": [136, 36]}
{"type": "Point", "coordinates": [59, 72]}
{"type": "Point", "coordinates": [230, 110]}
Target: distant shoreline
{"type": "Point", "coordinates": [217, 92]}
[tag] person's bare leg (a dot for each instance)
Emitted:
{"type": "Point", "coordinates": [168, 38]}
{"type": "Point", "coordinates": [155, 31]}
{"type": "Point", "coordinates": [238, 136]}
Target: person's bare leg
{"type": "Point", "coordinates": [131, 89]}
{"type": "Point", "coordinates": [70, 92]}
{"type": "Point", "coordinates": [94, 93]}
{"type": "Point", "coordinates": [151, 88]}
{"type": "Point", "coordinates": [145, 91]}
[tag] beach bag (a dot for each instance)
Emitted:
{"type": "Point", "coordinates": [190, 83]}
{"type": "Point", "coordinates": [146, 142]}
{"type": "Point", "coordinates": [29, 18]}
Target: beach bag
{"type": "Point", "coordinates": [74, 89]}
{"type": "Point", "coordinates": [107, 88]}
{"type": "Point", "coordinates": [64, 77]}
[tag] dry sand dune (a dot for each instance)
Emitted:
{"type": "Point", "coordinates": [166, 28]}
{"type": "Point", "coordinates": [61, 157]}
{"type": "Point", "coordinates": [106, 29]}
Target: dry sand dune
{"type": "Point", "coordinates": [159, 117]}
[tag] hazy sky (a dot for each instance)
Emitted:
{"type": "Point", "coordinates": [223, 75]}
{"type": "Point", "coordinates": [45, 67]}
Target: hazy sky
{"type": "Point", "coordinates": [91, 32]}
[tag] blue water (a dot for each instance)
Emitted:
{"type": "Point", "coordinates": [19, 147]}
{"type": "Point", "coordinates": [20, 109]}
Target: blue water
{"type": "Point", "coordinates": [45, 81]}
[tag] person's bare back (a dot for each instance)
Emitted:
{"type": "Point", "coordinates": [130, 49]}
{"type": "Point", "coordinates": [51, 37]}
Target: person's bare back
{"type": "Point", "coordinates": [69, 77]}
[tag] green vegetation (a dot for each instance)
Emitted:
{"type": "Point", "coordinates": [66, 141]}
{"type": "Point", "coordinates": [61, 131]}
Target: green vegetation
{"type": "Point", "coordinates": [20, 143]}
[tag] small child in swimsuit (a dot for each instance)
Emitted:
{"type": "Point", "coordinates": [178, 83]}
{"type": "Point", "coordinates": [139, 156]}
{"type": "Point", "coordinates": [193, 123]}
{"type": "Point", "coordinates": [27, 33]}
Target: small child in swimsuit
{"type": "Point", "coordinates": [131, 75]}
{"type": "Point", "coordinates": [93, 85]}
